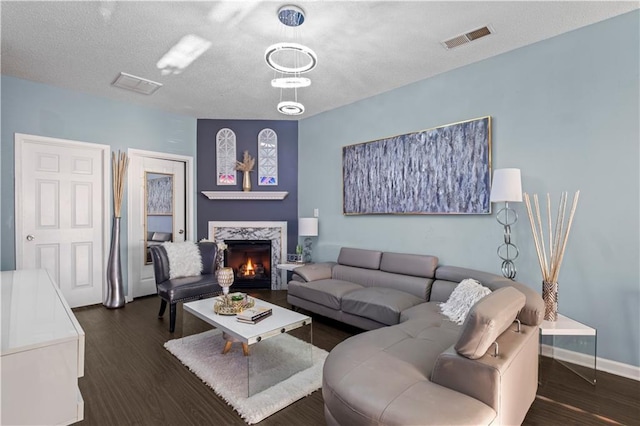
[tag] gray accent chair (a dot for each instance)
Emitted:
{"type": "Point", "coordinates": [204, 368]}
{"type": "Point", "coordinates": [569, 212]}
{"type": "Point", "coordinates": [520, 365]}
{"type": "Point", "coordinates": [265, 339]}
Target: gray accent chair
{"type": "Point", "coordinates": [174, 291]}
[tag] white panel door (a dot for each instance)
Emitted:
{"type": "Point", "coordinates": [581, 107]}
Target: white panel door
{"type": "Point", "coordinates": [60, 214]}
{"type": "Point", "coordinates": [155, 218]}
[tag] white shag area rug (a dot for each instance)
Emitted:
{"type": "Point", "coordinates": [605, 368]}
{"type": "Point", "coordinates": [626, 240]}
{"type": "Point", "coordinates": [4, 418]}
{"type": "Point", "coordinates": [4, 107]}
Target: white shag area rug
{"type": "Point", "coordinates": [227, 374]}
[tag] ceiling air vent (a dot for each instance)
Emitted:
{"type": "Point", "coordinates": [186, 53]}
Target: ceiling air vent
{"type": "Point", "coordinates": [466, 38]}
{"type": "Point", "coordinates": [136, 84]}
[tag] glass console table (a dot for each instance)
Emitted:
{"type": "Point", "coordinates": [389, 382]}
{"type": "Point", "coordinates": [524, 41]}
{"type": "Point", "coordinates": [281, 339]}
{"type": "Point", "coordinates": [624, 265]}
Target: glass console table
{"type": "Point", "coordinates": [572, 344]}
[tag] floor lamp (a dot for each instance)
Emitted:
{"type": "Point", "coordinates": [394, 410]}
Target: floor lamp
{"type": "Point", "coordinates": [307, 227]}
{"type": "Point", "coordinates": [507, 187]}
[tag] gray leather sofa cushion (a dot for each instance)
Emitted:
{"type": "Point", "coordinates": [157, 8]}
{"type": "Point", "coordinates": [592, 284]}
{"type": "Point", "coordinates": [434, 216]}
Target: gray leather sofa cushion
{"type": "Point", "coordinates": [409, 264]}
{"type": "Point", "coordinates": [441, 290]}
{"type": "Point", "coordinates": [420, 403]}
{"type": "Point", "coordinates": [364, 277]}
{"type": "Point", "coordinates": [381, 304]}
{"type": "Point", "coordinates": [382, 377]}
{"type": "Point", "coordinates": [429, 312]}
{"type": "Point", "coordinates": [354, 320]}
{"type": "Point", "coordinates": [487, 320]}
{"type": "Point", "coordinates": [360, 258]}
{"type": "Point", "coordinates": [417, 286]}
{"type": "Point", "coordinates": [323, 292]}
{"type": "Point", "coordinates": [457, 274]}
{"type": "Point", "coordinates": [531, 314]}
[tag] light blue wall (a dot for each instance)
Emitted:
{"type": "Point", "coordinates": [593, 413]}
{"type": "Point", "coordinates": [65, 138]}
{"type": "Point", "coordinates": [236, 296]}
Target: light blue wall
{"type": "Point", "coordinates": [43, 110]}
{"type": "Point", "coordinates": [565, 111]}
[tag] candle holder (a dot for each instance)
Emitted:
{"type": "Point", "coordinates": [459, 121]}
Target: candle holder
{"type": "Point", "coordinates": [225, 279]}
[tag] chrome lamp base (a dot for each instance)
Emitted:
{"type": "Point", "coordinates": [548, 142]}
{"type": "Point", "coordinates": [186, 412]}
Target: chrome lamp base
{"type": "Point", "coordinates": [507, 251]}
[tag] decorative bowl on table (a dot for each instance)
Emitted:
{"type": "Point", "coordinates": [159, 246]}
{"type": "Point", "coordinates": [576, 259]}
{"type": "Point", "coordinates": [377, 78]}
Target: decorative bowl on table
{"type": "Point", "coordinates": [232, 304]}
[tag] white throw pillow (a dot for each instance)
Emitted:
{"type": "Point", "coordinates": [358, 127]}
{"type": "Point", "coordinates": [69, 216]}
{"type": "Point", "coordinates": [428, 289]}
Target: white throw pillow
{"type": "Point", "coordinates": [463, 297]}
{"type": "Point", "coordinates": [184, 259]}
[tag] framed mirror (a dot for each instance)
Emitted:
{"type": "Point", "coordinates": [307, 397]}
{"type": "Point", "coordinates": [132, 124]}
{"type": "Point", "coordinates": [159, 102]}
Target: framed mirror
{"type": "Point", "coordinates": [158, 194]}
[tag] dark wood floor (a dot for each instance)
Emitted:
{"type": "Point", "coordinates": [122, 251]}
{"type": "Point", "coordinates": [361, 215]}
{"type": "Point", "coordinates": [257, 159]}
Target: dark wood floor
{"type": "Point", "coordinates": [130, 379]}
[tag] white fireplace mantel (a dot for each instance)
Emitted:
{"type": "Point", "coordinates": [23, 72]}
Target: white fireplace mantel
{"type": "Point", "coordinates": [245, 195]}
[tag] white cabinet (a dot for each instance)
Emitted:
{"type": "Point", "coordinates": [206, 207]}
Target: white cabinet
{"type": "Point", "coordinates": [42, 352]}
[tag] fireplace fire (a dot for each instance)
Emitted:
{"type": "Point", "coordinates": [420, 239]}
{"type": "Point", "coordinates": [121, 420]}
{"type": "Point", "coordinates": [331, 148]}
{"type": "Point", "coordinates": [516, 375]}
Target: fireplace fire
{"type": "Point", "coordinates": [251, 262]}
{"type": "Point", "coordinates": [248, 269]}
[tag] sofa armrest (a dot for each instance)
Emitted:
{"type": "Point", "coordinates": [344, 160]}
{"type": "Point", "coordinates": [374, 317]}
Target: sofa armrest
{"type": "Point", "coordinates": [315, 271]}
{"type": "Point", "coordinates": [507, 382]}
{"type": "Point", "coordinates": [474, 378]}
{"type": "Point", "coordinates": [297, 278]}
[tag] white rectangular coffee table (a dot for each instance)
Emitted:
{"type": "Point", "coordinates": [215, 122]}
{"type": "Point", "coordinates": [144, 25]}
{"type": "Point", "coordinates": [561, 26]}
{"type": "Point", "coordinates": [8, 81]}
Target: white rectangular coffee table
{"type": "Point", "coordinates": [276, 328]}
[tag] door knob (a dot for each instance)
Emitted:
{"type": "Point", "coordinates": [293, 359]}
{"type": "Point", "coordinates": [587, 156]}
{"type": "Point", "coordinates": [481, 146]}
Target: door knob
{"type": "Point", "coordinates": [30, 237]}
{"type": "Point", "coordinates": [181, 231]}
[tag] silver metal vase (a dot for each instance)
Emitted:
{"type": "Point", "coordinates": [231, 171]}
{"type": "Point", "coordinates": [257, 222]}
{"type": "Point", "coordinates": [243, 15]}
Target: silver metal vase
{"type": "Point", "coordinates": [550, 298]}
{"type": "Point", "coordinates": [115, 286]}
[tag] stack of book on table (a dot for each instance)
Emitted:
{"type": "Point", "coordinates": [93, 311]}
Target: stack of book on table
{"type": "Point", "coordinates": [253, 315]}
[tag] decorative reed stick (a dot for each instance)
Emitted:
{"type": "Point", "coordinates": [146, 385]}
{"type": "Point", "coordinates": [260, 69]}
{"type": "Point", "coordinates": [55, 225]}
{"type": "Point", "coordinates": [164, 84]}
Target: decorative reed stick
{"type": "Point", "coordinates": [558, 235]}
{"type": "Point", "coordinates": [119, 166]}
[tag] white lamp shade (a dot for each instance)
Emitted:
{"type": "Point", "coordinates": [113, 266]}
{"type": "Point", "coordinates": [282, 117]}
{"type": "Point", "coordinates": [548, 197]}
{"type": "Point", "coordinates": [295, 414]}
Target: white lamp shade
{"type": "Point", "coordinates": [308, 226]}
{"type": "Point", "coordinates": [506, 185]}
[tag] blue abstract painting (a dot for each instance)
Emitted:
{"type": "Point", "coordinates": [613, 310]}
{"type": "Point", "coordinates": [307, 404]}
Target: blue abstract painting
{"type": "Point", "coordinates": [444, 170]}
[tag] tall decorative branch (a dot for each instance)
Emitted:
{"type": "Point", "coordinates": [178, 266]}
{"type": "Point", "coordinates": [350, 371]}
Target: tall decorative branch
{"type": "Point", "coordinates": [558, 236]}
{"type": "Point", "coordinates": [119, 164]}
{"type": "Point", "coordinates": [247, 163]}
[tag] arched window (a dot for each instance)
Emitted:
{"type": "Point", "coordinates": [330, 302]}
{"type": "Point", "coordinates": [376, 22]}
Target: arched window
{"type": "Point", "coordinates": [267, 157]}
{"type": "Point", "coordinates": [226, 157]}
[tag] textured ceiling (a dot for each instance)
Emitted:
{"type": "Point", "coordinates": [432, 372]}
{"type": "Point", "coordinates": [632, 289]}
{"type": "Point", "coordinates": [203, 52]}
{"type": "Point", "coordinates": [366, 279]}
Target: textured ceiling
{"type": "Point", "coordinates": [363, 47]}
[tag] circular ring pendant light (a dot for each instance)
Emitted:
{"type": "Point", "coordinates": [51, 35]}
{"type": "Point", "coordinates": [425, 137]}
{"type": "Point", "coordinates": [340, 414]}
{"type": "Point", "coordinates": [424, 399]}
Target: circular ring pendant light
{"type": "Point", "coordinates": [290, 82]}
{"type": "Point", "coordinates": [294, 49]}
{"type": "Point", "coordinates": [292, 59]}
{"type": "Point", "coordinates": [291, 108]}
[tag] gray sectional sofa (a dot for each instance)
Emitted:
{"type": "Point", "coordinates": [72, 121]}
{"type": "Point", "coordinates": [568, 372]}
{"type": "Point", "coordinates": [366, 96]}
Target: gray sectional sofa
{"type": "Point", "coordinates": [415, 366]}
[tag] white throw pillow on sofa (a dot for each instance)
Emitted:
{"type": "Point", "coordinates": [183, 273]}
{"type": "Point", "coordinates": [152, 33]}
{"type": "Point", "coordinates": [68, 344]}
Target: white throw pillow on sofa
{"type": "Point", "coordinates": [185, 259]}
{"type": "Point", "coordinates": [463, 297]}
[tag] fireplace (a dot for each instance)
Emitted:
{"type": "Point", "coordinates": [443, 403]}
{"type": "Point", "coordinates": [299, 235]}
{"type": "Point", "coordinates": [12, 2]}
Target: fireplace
{"type": "Point", "coordinates": [275, 232]}
{"type": "Point", "coordinates": [251, 262]}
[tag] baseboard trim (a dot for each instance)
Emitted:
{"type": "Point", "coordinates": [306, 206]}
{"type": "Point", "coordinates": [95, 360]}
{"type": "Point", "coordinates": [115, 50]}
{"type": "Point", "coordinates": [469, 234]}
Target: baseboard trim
{"type": "Point", "coordinates": [602, 364]}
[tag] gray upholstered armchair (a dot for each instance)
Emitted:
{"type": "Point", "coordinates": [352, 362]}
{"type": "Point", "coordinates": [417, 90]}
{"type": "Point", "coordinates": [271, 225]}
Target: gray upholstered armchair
{"type": "Point", "coordinates": [184, 289]}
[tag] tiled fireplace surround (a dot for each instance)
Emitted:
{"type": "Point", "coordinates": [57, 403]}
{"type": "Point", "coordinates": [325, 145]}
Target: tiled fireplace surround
{"type": "Point", "coordinates": [276, 232]}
